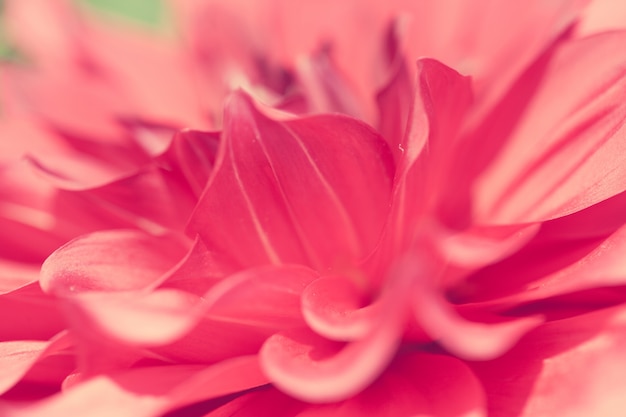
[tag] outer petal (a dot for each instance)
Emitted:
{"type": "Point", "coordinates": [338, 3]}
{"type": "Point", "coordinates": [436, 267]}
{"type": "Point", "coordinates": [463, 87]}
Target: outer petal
{"type": "Point", "coordinates": [312, 191]}
{"type": "Point", "coordinates": [574, 253]}
{"type": "Point", "coordinates": [572, 367]}
{"type": "Point", "coordinates": [146, 392]}
{"type": "Point", "coordinates": [114, 260]}
{"type": "Point", "coordinates": [565, 151]}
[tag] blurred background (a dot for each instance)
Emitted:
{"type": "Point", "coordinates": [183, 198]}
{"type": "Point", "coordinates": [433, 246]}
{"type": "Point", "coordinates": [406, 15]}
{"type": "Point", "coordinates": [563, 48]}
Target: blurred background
{"type": "Point", "coordinates": [151, 13]}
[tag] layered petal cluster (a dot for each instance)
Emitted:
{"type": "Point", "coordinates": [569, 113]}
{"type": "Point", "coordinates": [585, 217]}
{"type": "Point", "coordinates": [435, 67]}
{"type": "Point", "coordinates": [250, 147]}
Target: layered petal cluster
{"type": "Point", "coordinates": [314, 208]}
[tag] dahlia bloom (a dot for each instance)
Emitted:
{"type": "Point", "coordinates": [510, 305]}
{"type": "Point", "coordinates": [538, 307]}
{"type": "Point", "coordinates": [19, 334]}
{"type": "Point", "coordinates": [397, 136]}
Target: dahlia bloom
{"type": "Point", "coordinates": [315, 208]}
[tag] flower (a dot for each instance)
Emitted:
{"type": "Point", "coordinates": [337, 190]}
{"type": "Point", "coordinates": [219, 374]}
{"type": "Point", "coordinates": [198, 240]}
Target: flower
{"type": "Point", "coordinates": [261, 219]}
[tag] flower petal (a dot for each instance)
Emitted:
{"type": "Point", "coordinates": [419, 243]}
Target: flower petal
{"type": "Point", "coordinates": [34, 314]}
{"type": "Point", "coordinates": [135, 318]}
{"type": "Point", "coordinates": [334, 308]}
{"type": "Point", "coordinates": [147, 392]}
{"type": "Point", "coordinates": [265, 296]}
{"type": "Point", "coordinates": [308, 367]}
{"type": "Point", "coordinates": [565, 151]}
{"type": "Point", "coordinates": [569, 367]}
{"type": "Point", "coordinates": [257, 207]}
{"type": "Point", "coordinates": [114, 260]}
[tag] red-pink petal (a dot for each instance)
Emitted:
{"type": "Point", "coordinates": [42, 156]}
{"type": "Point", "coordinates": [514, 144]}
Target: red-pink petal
{"type": "Point", "coordinates": [569, 368]}
{"type": "Point", "coordinates": [134, 318]}
{"type": "Point", "coordinates": [195, 151]}
{"type": "Point", "coordinates": [147, 392]}
{"type": "Point", "coordinates": [34, 315]}
{"type": "Point", "coordinates": [239, 312]}
{"type": "Point", "coordinates": [564, 152]}
{"type": "Point", "coordinates": [334, 308]}
{"type": "Point", "coordinates": [265, 296]}
{"type": "Point", "coordinates": [471, 340]}
{"type": "Point", "coordinates": [19, 356]}
{"type": "Point", "coordinates": [114, 260]}
{"type": "Point", "coordinates": [397, 393]}
{"type": "Point", "coordinates": [258, 208]}
{"type": "Point", "coordinates": [314, 369]}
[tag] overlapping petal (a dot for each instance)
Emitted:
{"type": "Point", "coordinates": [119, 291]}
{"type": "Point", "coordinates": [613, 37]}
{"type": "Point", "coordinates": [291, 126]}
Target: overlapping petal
{"type": "Point", "coordinates": [296, 191]}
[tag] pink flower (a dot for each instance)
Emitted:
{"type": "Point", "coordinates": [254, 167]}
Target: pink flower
{"type": "Point", "coordinates": [263, 219]}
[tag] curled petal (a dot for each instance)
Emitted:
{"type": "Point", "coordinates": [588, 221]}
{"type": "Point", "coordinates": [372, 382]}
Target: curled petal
{"type": "Point", "coordinates": [333, 307]}
{"type": "Point", "coordinates": [313, 369]}
{"type": "Point", "coordinates": [468, 339]}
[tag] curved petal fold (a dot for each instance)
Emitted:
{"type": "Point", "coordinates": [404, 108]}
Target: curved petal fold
{"type": "Point", "coordinates": [314, 369]}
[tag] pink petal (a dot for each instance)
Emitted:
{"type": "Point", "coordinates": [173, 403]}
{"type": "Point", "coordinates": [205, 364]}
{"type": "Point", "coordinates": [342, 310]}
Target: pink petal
{"type": "Point", "coordinates": [153, 199]}
{"type": "Point", "coordinates": [326, 89]}
{"type": "Point", "coordinates": [49, 31]}
{"type": "Point", "coordinates": [564, 152]}
{"type": "Point", "coordinates": [334, 307]}
{"type": "Point", "coordinates": [310, 368]}
{"type": "Point", "coordinates": [568, 255]}
{"type": "Point", "coordinates": [599, 266]}
{"type": "Point", "coordinates": [569, 367]}
{"type": "Point", "coordinates": [196, 152]}
{"type": "Point", "coordinates": [18, 357]}
{"type": "Point", "coordinates": [510, 36]}
{"type": "Point", "coordinates": [471, 340]}
{"type": "Point", "coordinates": [241, 311]}
{"type": "Point", "coordinates": [198, 271]}
{"type": "Point", "coordinates": [34, 315]}
{"type": "Point", "coordinates": [601, 16]}
{"type": "Point", "coordinates": [257, 207]}
{"type": "Point", "coordinates": [395, 97]}
{"type": "Point", "coordinates": [265, 296]}
{"type": "Point", "coordinates": [441, 100]}
{"type": "Point", "coordinates": [114, 260]}
{"type": "Point", "coordinates": [135, 318]}
{"type": "Point", "coordinates": [397, 393]}
{"type": "Point", "coordinates": [147, 392]}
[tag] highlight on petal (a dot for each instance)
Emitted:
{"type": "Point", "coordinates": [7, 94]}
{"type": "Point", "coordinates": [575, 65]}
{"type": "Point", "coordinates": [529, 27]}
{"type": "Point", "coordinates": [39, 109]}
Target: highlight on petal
{"type": "Point", "coordinates": [257, 206]}
{"type": "Point", "coordinates": [334, 307]}
{"type": "Point", "coordinates": [135, 318]}
{"type": "Point", "coordinates": [114, 260]}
